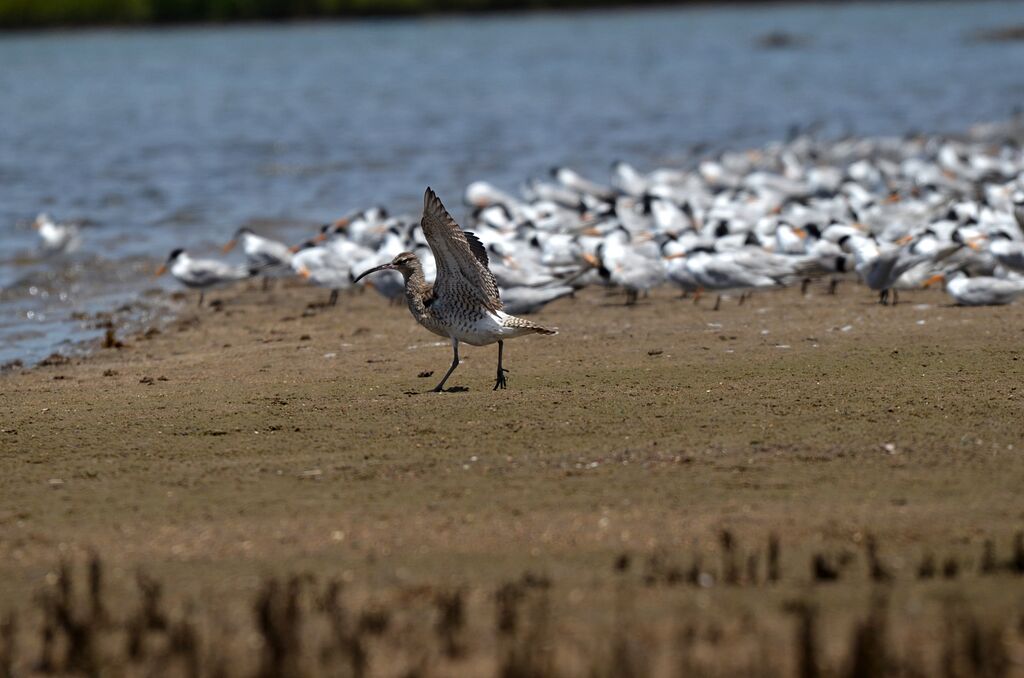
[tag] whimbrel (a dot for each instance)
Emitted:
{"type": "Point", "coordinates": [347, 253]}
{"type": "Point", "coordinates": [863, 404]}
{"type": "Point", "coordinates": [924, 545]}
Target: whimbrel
{"type": "Point", "coordinates": [463, 304]}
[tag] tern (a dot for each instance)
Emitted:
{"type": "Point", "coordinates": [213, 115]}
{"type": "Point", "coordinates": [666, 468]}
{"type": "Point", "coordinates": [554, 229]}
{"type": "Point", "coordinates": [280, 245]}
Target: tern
{"type": "Point", "coordinates": [268, 256]}
{"type": "Point", "coordinates": [202, 274]}
{"type": "Point", "coordinates": [57, 238]}
{"type": "Point", "coordinates": [980, 291]}
{"type": "Point", "coordinates": [322, 267]}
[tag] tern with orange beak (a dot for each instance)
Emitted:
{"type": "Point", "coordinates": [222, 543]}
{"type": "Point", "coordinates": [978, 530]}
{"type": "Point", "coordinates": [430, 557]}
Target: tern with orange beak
{"type": "Point", "coordinates": [320, 266]}
{"type": "Point", "coordinates": [270, 257]}
{"type": "Point", "coordinates": [463, 303]}
{"type": "Point", "coordinates": [202, 274]}
{"type": "Point", "coordinates": [981, 290]}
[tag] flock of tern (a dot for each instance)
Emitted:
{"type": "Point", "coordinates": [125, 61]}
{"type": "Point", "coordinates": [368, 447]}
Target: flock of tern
{"type": "Point", "coordinates": [892, 213]}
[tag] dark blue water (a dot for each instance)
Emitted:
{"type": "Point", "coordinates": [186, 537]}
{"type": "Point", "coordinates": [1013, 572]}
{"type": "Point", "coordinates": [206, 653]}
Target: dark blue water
{"type": "Point", "coordinates": [176, 137]}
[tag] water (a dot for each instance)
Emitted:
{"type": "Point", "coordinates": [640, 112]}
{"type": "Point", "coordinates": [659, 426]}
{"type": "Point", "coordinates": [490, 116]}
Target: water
{"type": "Point", "coordinates": [165, 138]}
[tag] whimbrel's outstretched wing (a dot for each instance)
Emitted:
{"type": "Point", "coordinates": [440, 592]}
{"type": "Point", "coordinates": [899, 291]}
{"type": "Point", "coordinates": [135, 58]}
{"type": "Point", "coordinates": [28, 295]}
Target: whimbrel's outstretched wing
{"type": "Point", "coordinates": [461, 258]}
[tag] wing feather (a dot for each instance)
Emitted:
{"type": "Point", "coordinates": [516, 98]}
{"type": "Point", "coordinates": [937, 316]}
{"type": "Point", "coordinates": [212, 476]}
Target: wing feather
{"type": "Point", "coordinates": [461, 258]}
{"type": "Point", "coordinates": [477, 248]}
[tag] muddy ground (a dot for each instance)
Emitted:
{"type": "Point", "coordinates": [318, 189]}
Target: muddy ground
{"type": "Point", "coordinates": [265, 437]}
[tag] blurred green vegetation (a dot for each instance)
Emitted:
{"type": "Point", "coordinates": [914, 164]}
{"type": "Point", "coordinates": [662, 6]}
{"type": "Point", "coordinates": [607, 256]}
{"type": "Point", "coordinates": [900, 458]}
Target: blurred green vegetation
{"type": "Point", "coordinates": [43, 13]}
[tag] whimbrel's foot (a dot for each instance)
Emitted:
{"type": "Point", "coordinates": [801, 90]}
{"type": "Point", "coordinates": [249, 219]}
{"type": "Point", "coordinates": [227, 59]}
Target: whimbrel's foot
{"type": "Point", "coordinates": [501, 381]}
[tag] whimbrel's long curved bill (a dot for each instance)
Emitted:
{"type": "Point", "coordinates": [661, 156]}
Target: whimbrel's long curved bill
{"type": "Point", "coordinates": [384, 267]}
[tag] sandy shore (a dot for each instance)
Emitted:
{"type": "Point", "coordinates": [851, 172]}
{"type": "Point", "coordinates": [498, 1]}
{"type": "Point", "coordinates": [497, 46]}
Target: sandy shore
{"type": "Point", "coordinates": [264, 436]}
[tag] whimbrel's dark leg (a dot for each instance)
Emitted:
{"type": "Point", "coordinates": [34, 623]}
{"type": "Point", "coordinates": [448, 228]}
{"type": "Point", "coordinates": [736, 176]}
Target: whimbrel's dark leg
{"type": "Point", "coordinates": [895, 297]}
{"type": "Point", "coordinates": [500, 382]}
{"type": "Point", "coordinates": [334, 298]}
{"type": "Point", "coordinates": [266, 283]}
{"type": "Point", "coordinates": [455, 363]}
{"type": "Point", "coordinates": [883, 297]}
{"type": "Point", "coordinates": [697, 295]}
{"type": "Point", "coordinates": [833, 285]}
{"type": "Point", "coordinates": [743, 297]}
{"type": "Point", "coordinates": [718, 302]}
{"type": "Point", "coordinates": [804, 285]}
{"type": "Point", "coordinates": [202, 295]}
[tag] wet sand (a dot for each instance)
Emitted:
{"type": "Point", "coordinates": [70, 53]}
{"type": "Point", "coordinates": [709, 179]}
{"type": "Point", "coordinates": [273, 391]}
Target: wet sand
{"type": "Point", "coordinates": [266, 437]}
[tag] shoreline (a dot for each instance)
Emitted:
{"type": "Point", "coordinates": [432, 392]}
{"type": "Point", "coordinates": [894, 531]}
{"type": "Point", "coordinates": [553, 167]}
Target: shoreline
{"type": "Point", "coordinates": [144, 317]}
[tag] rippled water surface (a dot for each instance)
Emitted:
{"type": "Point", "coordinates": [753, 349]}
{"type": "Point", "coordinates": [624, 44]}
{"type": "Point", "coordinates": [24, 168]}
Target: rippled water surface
{"type": "Point", "coordinates": [157, 139]}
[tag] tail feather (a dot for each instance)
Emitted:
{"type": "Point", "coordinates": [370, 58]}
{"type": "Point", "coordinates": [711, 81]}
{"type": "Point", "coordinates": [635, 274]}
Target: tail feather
{"type": "Point", "coordinates": [513, 321]}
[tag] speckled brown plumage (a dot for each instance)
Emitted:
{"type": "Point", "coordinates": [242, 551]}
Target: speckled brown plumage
{"type": "Point", "coordinates": [463, 304]}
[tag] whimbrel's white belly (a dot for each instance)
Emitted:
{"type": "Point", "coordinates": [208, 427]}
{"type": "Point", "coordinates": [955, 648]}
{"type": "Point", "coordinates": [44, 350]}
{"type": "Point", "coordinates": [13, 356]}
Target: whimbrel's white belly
{"type": "Point", "coordinates": [484, 329]}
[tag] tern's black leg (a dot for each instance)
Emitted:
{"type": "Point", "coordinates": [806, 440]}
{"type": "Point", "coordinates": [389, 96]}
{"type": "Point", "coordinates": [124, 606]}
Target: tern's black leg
{"type": "Point", "coordinates": [631, 296]}
{"type": "Point", "coordinates": [266, 283]}
{"type": "Point", "coordinates": [500, 382]}
{"type": "Point", "coordinates": [333, 301]}
{"type": "Point", "coordinates": [804, 285]}
{"type": "Point", "coordinates": [718, 302]}
{"type": "Point", "coordinates": [895, 297]}
{"type": "Point", "coordinates": [455, 363]}
{"type": "Point", "coordinates": [883, 297]}
{"type": "Point", "coordinates": [743, 297]}
{"type": "Point", "coordinates": [833, 285]}
{"type": "Point", "coordinates": [202, 295]}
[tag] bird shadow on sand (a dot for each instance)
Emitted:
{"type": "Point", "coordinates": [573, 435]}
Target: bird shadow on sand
{"type": "Point", "coordinates": [453, 389]}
